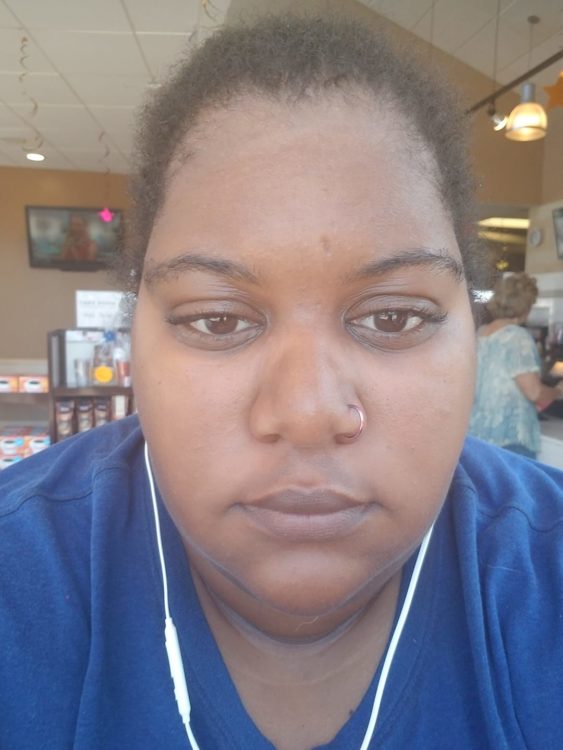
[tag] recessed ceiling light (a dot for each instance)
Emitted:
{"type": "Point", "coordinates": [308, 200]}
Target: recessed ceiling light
{"type": "Point", "coordinates": [34, 157]}
{"type": "Point", "coordinates": [504, 222]}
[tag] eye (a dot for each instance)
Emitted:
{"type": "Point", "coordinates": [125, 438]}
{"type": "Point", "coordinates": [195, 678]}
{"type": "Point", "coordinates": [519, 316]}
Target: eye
{"type": "Point", "coordinates": [220, 325]}
{"type": "Point", "coordinates": [396, 326]}
{"type": "Point", "coordinates": [214, 329]}
{"type": "Point", "coordinates": [391, 321]}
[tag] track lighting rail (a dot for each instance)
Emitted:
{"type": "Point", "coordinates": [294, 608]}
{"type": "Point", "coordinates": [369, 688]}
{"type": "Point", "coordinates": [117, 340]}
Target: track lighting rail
{"type": "Point", "coordinates": [524, 77]}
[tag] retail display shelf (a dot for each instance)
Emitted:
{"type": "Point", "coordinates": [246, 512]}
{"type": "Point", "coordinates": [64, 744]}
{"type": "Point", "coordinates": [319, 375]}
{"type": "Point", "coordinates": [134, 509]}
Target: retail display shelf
{"type": "Point", "coordinates": [40, 399]}
{"type": "Point", "coordinates": [91, 391]}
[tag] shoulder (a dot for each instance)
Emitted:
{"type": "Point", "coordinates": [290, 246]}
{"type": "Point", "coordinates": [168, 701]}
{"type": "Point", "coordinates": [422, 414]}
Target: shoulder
{"type": "Point", "coordinates": [69, 469]}
{"type": "Point", "coordinates": [517, 334]}
{"type": "Point", "coordinates": [508, 519]}
{"type": "Point", "coordinates": [502, 482]}
{"type": "Point", "coordinates": [509, 537]}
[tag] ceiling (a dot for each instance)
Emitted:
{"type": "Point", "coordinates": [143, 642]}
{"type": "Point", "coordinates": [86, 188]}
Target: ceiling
{"type": "Point", "coordinates": [75, 82]}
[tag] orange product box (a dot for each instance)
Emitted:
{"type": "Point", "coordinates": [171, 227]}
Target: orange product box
{"type": "Point", "coordinates": [22, 441]}
{"type": "Point", "coordinates": [9, 383]}
{"type": "Point", "coordinates": [33, 384]}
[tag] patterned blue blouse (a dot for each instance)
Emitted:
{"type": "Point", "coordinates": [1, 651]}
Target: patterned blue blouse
{"type": "Point", "coordinates": [501, 413]}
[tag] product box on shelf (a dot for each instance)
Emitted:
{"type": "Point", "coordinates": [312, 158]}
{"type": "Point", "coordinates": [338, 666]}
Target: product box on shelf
{"type": "Point", "coordinates": [20, 441]}
{"type": "Point", "coordinates": [33, 384]}
{"type": "Point", "coordinates": [9, 384]}
{"type": "Point", "coordinates": [84, 413]}
{"type": "Point", "coordinates": [6, 461]}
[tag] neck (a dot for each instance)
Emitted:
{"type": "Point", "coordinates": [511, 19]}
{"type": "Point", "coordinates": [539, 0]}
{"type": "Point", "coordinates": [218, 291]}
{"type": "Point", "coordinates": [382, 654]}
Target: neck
{"type": "Point", "coordinates": [311, 646]}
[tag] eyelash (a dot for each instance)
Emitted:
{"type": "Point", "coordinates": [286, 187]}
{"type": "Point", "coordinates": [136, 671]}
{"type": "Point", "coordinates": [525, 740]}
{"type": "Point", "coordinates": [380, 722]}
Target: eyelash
{"type": "Point", "coordinates": [430, 318]}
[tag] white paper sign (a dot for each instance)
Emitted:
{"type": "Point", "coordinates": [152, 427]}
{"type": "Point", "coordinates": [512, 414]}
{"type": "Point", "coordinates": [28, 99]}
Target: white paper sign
{"type": "Point", "coordinates": [99, 309]}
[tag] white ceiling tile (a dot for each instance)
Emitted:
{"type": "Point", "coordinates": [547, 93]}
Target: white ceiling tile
{"type": "Point", "coordinates": [7, 18]}
{"type": "Point", "coordinates": [100, 90]}
{"type": "Point", "coordinates": [52, 157]}
{"type": "Point", "coordinates": [14, 59]}
{"type": "Point", "coordinates": [90, 160]}
{"type": "Point", "coordinates": [45, 88]}
{"type": "Point", "coordinates": [456, 22]}
{"type": "Point", "coordinates": [8, 120]}
{"type": "Point", "coordinates": [119, 119]}
{"type": "Point", "coordinates": [406, 13]}
{"type": "Point", "coordinates": [161, 50]}
{"type": "Point", "coordinates": [85, 52]}
{"type": "Point", "coordinates": [76, 15]}
{"type": "Point", "coordinates": [165, 15]}
{"type": "Point", "coordinates": [71, 123]}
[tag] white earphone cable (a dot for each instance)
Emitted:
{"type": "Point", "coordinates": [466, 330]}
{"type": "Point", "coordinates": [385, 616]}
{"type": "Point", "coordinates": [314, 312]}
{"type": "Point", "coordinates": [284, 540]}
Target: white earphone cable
{"type": "Point", "coordinates": [395, 639]}
{"type": "Point", "coordinates": [170, 634]}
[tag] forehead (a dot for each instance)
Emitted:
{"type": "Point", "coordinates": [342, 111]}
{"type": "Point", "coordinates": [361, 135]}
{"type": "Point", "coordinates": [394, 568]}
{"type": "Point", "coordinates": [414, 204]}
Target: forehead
{"type": "Point", "coordinates": [306, 128]}
{"type": "Point", "coordinates": [339, 165]}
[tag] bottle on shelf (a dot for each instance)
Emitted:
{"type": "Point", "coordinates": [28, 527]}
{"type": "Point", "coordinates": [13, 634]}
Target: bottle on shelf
{"type": "Point", "coordinates": [103, 363]}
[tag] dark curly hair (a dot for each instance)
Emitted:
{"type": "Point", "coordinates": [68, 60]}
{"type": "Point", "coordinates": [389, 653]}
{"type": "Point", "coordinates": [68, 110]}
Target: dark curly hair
{"type": "Point", "coordinates": [513, 296]}
{"type": "Point", "coordinates": [289, 58]}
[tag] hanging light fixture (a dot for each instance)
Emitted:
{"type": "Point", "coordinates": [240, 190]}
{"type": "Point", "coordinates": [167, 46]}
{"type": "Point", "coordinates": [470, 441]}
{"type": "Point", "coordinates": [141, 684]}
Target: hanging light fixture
{"type": "Point", "coordinates": [528, 120]}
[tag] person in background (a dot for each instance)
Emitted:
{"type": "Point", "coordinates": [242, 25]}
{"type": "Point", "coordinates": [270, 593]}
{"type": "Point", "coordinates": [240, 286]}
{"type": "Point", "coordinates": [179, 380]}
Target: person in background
{"type": "Point", "coordinates": [78, 245]}
{"type": "Point", "coordinates": [293, 545]}
{"type": "Point", "coordinates": [508, 388]}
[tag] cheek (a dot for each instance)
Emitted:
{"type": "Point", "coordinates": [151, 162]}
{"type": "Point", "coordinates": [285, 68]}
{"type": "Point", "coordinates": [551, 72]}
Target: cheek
{"type": "Point", "coordinates": [191, 410]}
{"type": "Point", "coordinates": [421, 405]}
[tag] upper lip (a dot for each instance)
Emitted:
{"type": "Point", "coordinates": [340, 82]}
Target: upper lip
{"type": "Point", "coordinates": [309, 501]}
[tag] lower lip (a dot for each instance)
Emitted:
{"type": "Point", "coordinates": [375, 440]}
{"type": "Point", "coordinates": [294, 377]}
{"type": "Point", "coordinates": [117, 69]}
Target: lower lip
{"type": "Point", "coordinates": [308, 527]}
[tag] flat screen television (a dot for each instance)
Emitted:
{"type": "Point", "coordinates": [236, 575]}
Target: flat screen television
{"type": "Point", "coordinates": [558, 230]}
{"type": "Point", "coordinates": [72, 239]}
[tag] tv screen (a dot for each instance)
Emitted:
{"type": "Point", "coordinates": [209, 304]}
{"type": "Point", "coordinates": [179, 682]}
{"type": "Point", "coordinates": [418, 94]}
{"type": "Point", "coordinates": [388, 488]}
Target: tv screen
{"type": "Point", "coordinates": [558, 229]}
{"type": "Point", "coordinates": [72, 239]}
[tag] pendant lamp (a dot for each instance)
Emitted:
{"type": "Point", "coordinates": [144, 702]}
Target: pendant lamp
{"type": "Point", "coordinates": [528, 120]}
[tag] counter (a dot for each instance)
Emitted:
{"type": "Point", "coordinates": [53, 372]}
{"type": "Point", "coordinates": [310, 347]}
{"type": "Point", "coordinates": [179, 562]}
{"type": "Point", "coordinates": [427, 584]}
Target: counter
{"type": "Point", "coordinates": [551, 449]}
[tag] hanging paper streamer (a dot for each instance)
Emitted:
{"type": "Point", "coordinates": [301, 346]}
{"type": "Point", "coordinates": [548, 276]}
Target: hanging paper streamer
{"type": "Point", "coordinates": [37, 137]}
{"type": "Point", "coordinates": [209, 9]}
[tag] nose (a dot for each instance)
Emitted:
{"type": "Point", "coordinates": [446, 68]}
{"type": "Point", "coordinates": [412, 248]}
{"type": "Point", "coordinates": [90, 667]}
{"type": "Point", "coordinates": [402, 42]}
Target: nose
{"type": "Point", "coordinates": [305, 394]}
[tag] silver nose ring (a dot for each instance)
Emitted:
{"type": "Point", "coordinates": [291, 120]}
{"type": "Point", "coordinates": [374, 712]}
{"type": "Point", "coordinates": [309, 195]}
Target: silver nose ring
{"type": "Point", "coordinates": [351, 436]}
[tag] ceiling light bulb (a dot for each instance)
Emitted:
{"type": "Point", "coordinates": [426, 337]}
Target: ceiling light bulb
{"type": "Point", "coordinates": [32, 156]}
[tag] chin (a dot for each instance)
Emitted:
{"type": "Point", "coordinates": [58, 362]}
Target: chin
{"type": "Point", "coordinates": [313, 591]}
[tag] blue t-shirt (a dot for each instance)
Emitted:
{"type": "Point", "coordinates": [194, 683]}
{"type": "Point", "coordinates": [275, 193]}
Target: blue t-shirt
{"type": "Point", "coordinates": [501, 413]}
{"type": "Point", "coordinates": [82, 657]}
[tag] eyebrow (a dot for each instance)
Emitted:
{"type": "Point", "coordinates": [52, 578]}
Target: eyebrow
{"type": "Point", "coordinates": [438, 261]}
{"type": "Point", "coordinates": [171, 269]}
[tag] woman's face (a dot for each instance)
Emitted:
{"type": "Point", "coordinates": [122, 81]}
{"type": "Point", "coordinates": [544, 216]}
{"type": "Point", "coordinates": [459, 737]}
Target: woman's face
{"type": "Point", "coordinates": [302, 262]}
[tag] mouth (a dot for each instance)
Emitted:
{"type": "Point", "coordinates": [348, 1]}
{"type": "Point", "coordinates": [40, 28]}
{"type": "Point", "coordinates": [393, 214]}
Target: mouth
{"type": "Point", "coordinates": [307, 515]}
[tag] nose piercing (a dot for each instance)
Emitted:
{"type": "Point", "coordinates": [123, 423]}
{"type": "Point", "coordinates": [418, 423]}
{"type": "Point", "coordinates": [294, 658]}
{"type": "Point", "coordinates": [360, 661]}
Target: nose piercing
{"type": "Point", "coordinates": [351, 436]}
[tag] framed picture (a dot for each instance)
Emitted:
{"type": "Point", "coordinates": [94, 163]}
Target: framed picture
{"type": "Point", "coordinates": [558, 230]}
{"type": "Point", "coordinates": [72, 239]}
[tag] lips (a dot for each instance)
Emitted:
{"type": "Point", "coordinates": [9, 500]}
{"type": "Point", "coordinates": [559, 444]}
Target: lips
{"type": "Point", "coordinates": [308, 514]}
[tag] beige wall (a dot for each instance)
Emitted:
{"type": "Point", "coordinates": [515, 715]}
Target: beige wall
{"type": "Point", "coordinates": [543, 258]}
{"type": "Point", "coordinates": [32, 300]}
{"type": "Point", "coordinates": [552, 187]}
